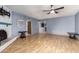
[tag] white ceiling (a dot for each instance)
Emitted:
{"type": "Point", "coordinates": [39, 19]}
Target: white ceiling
{"type": "Point", "coordinates": [36, 11]}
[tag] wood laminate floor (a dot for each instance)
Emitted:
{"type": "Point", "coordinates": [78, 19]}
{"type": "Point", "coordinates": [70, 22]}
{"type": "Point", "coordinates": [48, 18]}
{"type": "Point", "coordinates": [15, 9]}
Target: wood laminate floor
{"type": "Point", "coordinates": [43, 43]}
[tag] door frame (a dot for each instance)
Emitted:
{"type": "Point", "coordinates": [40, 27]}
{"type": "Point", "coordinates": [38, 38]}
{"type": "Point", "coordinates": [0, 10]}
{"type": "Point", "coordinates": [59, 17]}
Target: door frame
{"type": "Point", "coordinates": [27, 26]}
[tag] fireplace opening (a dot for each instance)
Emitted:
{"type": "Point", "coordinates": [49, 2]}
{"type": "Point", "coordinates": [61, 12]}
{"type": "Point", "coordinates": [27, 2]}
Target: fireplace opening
{"type": "Point", "coordinates": [3, 35]}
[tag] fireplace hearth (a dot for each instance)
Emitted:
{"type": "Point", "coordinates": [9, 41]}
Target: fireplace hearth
{"type": "Point", "coordinates": [3, 35]}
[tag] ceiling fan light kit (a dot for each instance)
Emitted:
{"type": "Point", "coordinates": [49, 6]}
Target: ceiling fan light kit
{"type": "Point", "coordinates": [53, 10]}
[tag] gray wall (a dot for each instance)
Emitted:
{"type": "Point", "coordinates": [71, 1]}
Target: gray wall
{"type": "Point", "coordinates": [61, 25]}
{"type": "Point", "coordinates": [35, 26]}
{"type": "Point", "coordinates": [16, 28]}
{"type": "Point", "coordinates": [77, 23]}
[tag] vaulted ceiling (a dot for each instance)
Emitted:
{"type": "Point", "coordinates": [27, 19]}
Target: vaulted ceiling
{"type": "Point", "coordinates": [36, 11]}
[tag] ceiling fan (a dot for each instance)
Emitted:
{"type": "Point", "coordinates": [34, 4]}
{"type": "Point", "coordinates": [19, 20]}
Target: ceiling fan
{"type": "Point", "coordinates": [53, 10]}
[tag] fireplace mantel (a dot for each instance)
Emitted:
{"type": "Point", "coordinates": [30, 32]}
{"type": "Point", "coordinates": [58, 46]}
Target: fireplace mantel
{"type": "Point", "coordinates": [3, 23]}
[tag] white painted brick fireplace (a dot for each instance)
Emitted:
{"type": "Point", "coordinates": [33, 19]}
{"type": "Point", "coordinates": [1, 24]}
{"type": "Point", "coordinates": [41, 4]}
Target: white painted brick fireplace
{"type": "Point", "coordinates": [7, 29]}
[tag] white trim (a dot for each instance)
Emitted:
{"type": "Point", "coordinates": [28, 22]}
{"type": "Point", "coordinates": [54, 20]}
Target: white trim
{"type": "Point", "coordinates": [7, 44]}
{"type": "Point", "coordinates": [59, 33]}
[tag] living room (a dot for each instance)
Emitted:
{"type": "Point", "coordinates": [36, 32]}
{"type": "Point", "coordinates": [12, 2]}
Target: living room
{"type": "Point", "coordinates": [40, 27]}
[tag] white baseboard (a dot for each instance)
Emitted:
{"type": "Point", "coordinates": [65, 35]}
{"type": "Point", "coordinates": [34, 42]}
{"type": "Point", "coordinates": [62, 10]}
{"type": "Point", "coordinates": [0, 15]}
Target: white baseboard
{"type": "Point", "coordinates": [8, 43]}
{"type": "Point", "coordinates": [59, 33]}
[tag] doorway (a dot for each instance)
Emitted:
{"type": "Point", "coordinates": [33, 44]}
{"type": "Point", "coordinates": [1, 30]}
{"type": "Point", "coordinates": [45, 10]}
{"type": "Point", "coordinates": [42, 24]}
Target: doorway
{"type": "Point", "coordinates": [42, 27]}
{"type": "Point", "coordinates": [29, 27]}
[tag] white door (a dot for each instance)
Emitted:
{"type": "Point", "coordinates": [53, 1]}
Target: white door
{"type": "Point", "coordinates": [41, 29]}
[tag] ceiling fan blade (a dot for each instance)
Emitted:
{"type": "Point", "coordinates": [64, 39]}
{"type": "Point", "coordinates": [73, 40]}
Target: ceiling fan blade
{"type": "Point", "coordinates": [48, 13]}
{"type": "Point", "coordinates": [59, 8]}
{"type": "Point", "coordinates": [46, 10]}
{"type": "Point", "coordinates": [56, 12]}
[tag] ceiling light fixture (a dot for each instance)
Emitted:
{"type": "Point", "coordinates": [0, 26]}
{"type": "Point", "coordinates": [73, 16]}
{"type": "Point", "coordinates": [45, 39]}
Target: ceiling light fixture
{"type": "Point", "coordinates": [52, 12]}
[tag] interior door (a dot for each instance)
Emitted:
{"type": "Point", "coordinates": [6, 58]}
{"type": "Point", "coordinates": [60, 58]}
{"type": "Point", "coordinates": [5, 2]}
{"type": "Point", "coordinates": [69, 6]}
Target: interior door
{"type": "Point", "coordinates": [29, 27]}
